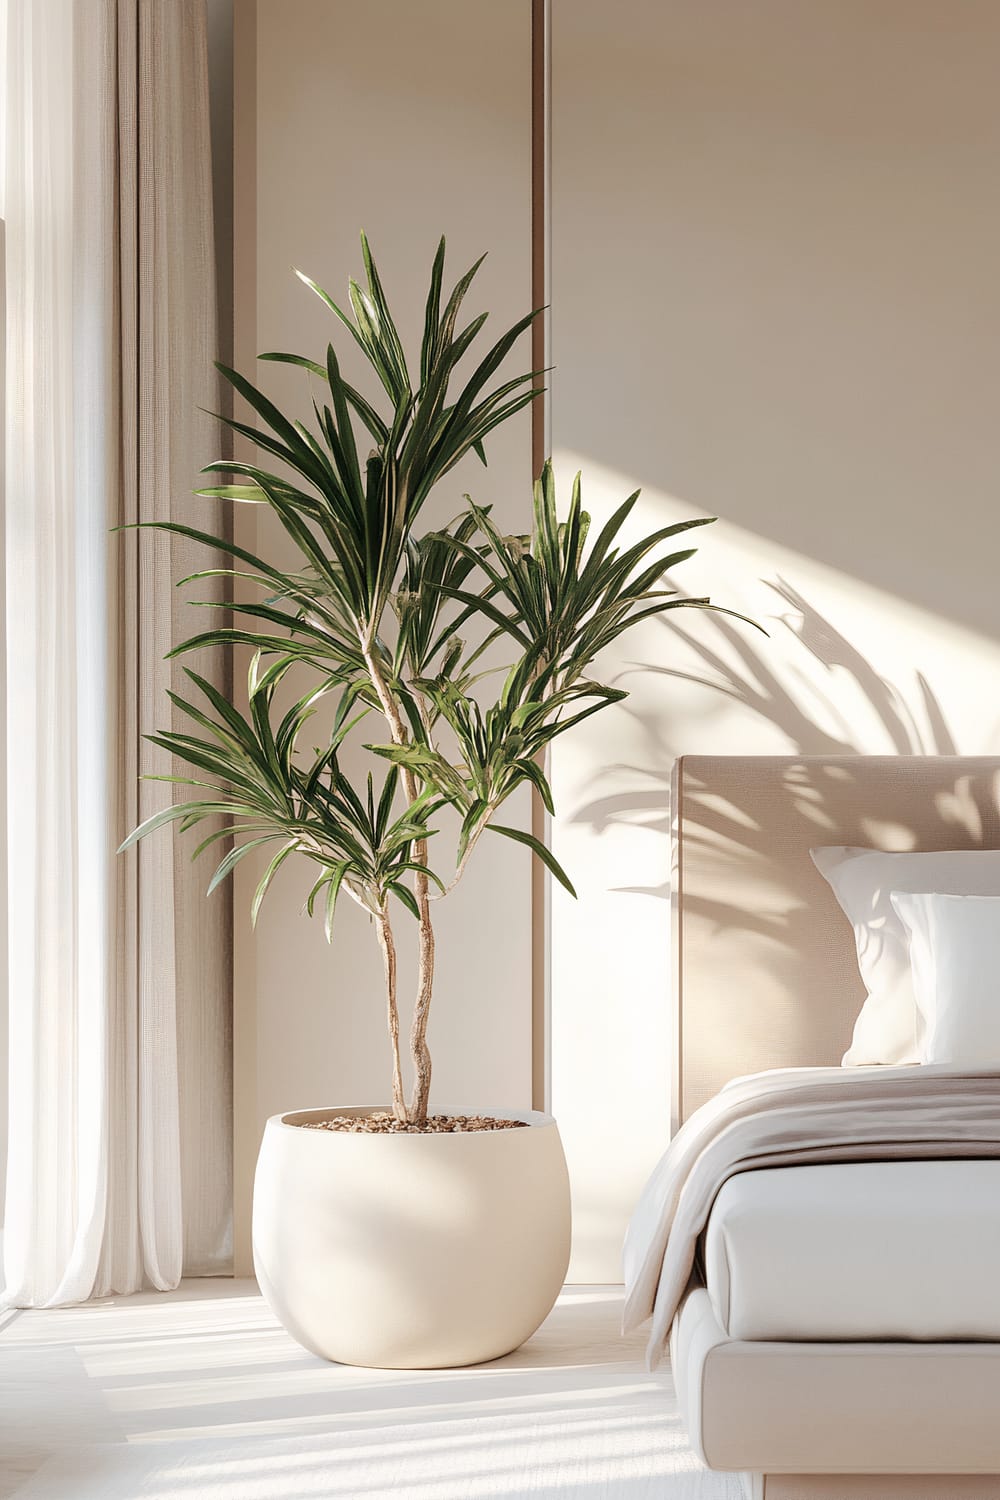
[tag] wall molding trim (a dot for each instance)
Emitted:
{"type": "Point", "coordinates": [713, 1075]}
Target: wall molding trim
{"type": "Point", "coordinates": [541, 344]}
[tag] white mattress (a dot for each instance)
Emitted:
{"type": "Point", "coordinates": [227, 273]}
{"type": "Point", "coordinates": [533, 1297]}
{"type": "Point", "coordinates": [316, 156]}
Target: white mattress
{"type": "Point", "coordinates": [891, 1250]}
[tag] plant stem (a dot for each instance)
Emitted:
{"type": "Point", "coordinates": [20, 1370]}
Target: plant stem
{"type": "Point", "coordinates": [419, 1050]}
{"type": "Point", "coordinates": [473, 841]}
{"type": "Point", "coordinates": [388, 946]}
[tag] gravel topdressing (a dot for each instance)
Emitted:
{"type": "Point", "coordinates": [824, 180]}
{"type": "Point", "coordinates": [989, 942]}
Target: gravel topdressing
{"type": "Point", "coordinates": [387, 1124]}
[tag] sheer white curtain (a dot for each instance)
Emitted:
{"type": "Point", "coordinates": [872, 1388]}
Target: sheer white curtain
{"type": "Point", "coordinates": [119, 1170]}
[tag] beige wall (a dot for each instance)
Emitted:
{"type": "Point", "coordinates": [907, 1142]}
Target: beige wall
{"type": "Point", "coordinates": [775, 242]}
{"type": "Point", "coordinates": [409, 121]}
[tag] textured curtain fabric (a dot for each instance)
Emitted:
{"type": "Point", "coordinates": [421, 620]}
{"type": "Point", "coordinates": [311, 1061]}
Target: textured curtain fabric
{"type": "Point", "coordinates": [119, 1170]}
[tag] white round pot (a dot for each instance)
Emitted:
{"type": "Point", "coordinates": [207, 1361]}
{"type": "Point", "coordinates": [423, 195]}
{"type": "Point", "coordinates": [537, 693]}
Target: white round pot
{"type": "Point", "coordinates": [410, 1252]}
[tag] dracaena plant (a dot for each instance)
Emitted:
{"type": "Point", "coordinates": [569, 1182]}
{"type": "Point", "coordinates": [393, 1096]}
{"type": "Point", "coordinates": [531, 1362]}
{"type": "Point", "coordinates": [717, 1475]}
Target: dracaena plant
{"type": "Point", "coordinates": [384, 625]}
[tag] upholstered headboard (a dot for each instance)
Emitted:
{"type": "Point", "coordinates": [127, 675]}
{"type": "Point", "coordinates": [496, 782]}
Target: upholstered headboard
{"type": "Point", "coordinates": [764, 967]}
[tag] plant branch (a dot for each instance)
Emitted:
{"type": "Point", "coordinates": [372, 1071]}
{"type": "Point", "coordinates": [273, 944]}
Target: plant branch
{"type": "Point", "coordinates": [463, 862]}
{"type": "Point", "coordinates": [388, 946]}
{"type": "Point", "coordinates": [419, 1050]}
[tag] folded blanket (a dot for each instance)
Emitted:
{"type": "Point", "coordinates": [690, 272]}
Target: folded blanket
{"type": "Point", "coordinates": [787, 1118]}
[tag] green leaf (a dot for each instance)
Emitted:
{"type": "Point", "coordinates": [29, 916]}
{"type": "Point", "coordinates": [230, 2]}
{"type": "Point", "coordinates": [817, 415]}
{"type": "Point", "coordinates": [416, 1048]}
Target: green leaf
{"type": "Point", "coordinates": [546, 856]}
{"type": "Point", "coordinates": [159, 820]}
{"type": "Point", "coordinates": [477, 603]}
{"type": "Point", "coordinates": [416, 757]}
{"type": "Point", "coordinates": [475, 815]}
{"type": "Point", "coordinates": [265, 883]}
{"type": "Point", "coordinates": [296, 359]}
{"type": "Point", "coordinates": [252, 494]}
{"type": "Point", "coordinates": [336, 880]}
{"type": "Point", "coordinates": [229, 862]}
{"type": "Point", "coordinates": [432, 315]}
{"type": "Point", "coordinates": [406, 896]}
{"type": "Point", "coordinates": [534, 773]}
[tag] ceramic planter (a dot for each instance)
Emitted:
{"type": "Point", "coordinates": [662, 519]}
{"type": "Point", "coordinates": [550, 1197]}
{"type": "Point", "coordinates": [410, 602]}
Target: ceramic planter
{"type": "Point", "coordinates": [410, 1251]}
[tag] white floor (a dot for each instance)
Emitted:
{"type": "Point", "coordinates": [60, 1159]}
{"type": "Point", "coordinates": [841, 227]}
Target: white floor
{"type": "Point", "coordinates": [200, 1392]}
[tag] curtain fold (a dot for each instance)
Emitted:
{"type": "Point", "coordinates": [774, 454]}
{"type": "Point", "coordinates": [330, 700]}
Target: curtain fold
{"type": "Point", "coordinates": [119, 1170]}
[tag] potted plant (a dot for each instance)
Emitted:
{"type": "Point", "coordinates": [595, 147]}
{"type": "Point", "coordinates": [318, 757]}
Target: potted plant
{"type": "Point", "coordinates": [390, 1236]}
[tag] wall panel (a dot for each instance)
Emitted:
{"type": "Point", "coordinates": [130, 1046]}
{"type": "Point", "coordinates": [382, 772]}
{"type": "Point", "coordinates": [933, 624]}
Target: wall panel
{"type": "Point", "coordinates": [409, 121]}
{"type": "Point", "coordinates": [775, 239]}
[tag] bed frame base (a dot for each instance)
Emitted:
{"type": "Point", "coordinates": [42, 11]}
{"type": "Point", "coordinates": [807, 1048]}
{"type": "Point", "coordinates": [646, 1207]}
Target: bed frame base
{"type": "Point", "coordinates": [850, 1421]}
{"type": "Point", "coordinates": [874, 1487]}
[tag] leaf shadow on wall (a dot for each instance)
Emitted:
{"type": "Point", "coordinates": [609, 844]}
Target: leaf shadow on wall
{"type": "Point", "coordinates": [741, 670]}
{"type": "Point", "coordinates": [820, 804]}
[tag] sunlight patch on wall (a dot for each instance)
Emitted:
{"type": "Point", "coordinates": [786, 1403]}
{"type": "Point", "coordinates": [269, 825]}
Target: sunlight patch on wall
{"type": "Point", "coordinates": [845, 669]}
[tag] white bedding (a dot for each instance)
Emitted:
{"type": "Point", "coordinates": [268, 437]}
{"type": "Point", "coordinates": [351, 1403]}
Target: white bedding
{"type": "Point", "coordinates": [862, 1250]}
{"type": "Point", "coordinates": [800, 1117]}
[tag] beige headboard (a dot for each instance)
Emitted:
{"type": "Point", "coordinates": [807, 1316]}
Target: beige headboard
{"type": "Point", "coordinates": [764, 968]}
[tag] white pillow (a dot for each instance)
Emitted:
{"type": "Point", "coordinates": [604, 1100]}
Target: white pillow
{"type": "Point", "coordinates": [955, 961]}
{"type": "Point", "coordinates": [890, 1028]}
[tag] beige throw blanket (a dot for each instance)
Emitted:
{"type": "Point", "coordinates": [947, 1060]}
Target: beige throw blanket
{"type": "Point", "coordinates": [792, 1117]}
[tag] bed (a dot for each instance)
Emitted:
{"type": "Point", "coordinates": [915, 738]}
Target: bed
{"type": "Point", "coordinates": [834, 1315]}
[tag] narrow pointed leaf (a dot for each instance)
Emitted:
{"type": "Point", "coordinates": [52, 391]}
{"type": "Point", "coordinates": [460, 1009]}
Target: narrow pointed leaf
{"type": "Point", "coordinates": [546, 856]}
